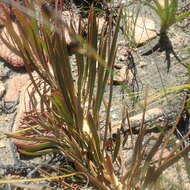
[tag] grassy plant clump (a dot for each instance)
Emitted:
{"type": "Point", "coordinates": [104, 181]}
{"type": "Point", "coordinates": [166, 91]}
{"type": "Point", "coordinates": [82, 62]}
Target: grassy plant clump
{"type": "Point", "coordinates": [167, 13]}
{"type": "Point", "coordinates": [69, 114]}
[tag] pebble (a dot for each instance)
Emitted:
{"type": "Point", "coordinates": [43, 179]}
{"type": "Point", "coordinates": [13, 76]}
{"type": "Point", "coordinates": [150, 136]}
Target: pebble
{"type": "Point", "coordinates": [7, 54]}
{"type": "Point", "coordinates": [122, 58]}
{"type": "Point", "coordinates": [2, 89]}
{"type": "Point", "coordinates": [115, 116]}
{"type": "Point", "coordinates": [144, 29]}
{"type": "Point", "coordinates": [9, 107]}
{"type": "Point", "coordinates": [118, 66]}
{"type": "Point", "coordinates": [14, 88]}
{"type": "Point", "coordinates": [142, 64]}
{"type": "Point", "coordinates": [5, 72]}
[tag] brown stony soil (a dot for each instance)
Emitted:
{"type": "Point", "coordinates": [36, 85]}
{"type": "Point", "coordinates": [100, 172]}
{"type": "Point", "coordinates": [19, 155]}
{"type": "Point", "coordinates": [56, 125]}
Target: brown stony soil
{"type": "Point", "coordinates": [151, 74]}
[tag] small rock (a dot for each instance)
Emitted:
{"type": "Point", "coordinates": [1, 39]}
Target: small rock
{"type": "Point", "coordinates": [142, 64]}
{"type": "Point", "coordinates": [114, 116]}
{"type": "Point", "coordinates": [29, 100]}
{"type": "Point", "coordinates": [118, 66]}
{"type": "Point", "coordinates": [122, 58]}
{"type": "Point", "coordinates": [25, 99]}
{"type": "Point", "coordinates": [161, 154]}
{"type": "Point", "coordinates": [2, 89]}
{"type": "Point", "coordinates": [70, 18]}
{"type": "Point", "coordinates": [2, 144]}
{"type": "Point", "coordinates": [123, 51]}
{"type": "Point", "coordinates": [144, 29]}
{"type": "Point", "coordinates": [123, 76]}
{"type": "Point", "coordinates": [152, 113]}
{"type": "Point", "coordinates": [9, 107]}
{"type": "Point", "coordinates": [121, 44]}
{"type": "Point", "coordinates": [5, 72]}
{"type": "Point", "coordinates": [101, 22]}
{"type": "Point", "coordinates": [15, 85]}
{"type": "Point", "coordinates": [6, 53]}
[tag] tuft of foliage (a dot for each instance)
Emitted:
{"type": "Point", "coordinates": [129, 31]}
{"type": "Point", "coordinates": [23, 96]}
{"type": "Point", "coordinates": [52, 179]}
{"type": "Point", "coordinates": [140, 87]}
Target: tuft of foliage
{"type": "Point", "coordinates": [167, 13]}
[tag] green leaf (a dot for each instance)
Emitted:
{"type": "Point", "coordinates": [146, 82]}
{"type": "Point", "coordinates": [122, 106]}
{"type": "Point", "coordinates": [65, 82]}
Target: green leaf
{"type": "Point", "coordinates": [91, 60]}
{"type": "Point", "coordinates": [36, 139]}
{"type": "Point", "coordinates": [38, 153]}
{"type": "Point", "coordinates": [61, 106]}
{"type": "Point", "coordinates": [182, 16]}
{"type": "Point", "coordinates": [95, 135]}
{"type": "Point", "coordinates": [117, 145]}
{"type": "Point", "coordinates": [35, 147]}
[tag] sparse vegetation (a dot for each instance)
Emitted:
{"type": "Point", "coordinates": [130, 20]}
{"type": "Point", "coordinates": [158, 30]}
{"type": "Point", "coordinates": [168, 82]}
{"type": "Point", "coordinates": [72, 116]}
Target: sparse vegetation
{"type": "Point", "coordinates": [74, 118]}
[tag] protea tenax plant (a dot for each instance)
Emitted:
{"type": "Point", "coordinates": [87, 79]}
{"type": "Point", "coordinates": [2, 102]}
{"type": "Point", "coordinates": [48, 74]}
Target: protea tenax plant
{"type": "Point", "coordinates": [70, 109]}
